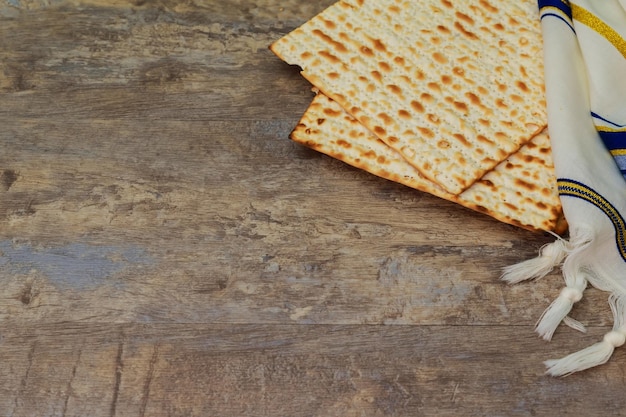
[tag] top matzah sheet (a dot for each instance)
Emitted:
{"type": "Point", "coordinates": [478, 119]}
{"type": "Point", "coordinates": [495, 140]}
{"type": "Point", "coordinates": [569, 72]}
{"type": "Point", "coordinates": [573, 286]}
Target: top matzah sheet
{"type": "Point", "coordinates": [462, 82]}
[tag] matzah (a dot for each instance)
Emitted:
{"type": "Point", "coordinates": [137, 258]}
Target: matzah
{"type": "Point", "coordinates": [462, 82]}
{"type": "Point", "coordinates": [521, 190]}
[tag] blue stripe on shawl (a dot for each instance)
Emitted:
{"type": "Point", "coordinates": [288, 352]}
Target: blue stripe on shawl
{"type": "Point", "coordinates": [560, 18]}
{"type": "Point", "coordinates": [597, 116]}
{"type": "Point", "coordinates": [562, 5]}
{"type": "Point", "coordinates": [613, 140]}
{"type": "Point", "coordinates": [560, 9]}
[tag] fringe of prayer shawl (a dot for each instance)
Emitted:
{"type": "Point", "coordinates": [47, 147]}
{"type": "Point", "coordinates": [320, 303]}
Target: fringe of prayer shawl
{"type": "Point", "coordinates": [595, 252]}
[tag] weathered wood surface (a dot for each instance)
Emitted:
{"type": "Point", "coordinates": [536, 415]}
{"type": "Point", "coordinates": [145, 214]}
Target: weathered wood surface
{"type": "Point", "coordinates": [165, 250]}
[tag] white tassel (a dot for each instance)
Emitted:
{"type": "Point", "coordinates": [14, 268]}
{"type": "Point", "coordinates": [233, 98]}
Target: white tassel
{"type": "Point", "coordinates": [599, 353]}
{"type": "Point", "coordinates": [558, 311]}
{"type": "Point", "coordinates": [575, 281]}
{"type": "Point", "coordinates": [549, 257]}
{"type": "Point", "coordinates": [574, 257]}
{"type": "Point", "coordinates": [594, 355]}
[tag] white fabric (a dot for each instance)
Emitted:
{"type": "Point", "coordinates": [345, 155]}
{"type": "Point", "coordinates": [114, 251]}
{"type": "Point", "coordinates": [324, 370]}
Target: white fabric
{"type": "Point", "coordinates": [585, 70]}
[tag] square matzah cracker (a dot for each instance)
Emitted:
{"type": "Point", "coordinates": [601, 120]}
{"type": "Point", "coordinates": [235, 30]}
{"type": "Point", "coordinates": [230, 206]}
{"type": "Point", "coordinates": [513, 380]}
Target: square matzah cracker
{"type": "Point", "coordinates": [521, 190]}
{"type": "Point", "coordinates": [462, 82]}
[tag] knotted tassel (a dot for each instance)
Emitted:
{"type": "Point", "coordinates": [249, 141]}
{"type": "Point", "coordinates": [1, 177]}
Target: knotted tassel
{"type": "Point", "coordinates": [594, 355]}
{"type": "Point", "coordinates": [559, 309]}
{"type": "Point", "coordinates": [550, 256]}
{"type": "Point", "coordinates": [597, 354]}
{"type": "Point", "coordinates": [575, 281]}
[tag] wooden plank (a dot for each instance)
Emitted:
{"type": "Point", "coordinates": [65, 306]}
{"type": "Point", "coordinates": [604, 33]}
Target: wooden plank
{"type": "Point", "coordinates": [175, 370]}
{"type": "Point", "coordinates": [208, 64]}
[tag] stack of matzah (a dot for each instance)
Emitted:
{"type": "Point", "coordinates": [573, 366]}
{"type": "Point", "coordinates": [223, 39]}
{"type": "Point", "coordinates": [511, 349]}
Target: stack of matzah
{"type": "Point", "coordinates": [444, 97]}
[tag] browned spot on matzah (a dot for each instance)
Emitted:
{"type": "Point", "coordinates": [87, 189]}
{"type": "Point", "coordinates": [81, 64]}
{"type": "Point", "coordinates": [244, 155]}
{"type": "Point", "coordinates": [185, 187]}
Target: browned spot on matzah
{"type": "Point", "coordinates": [417, 106]}
{"type": "Point", "coordinates": [395, 89]}
{"type": "Point", "coordinates": [458, 26]}
{"type": "Point", "coordinates": [343, 144]}
{"type": "Point", "coordinates": [330, 57]}
{"type": "Point", "coordinates": [427, 98]}
{"type": "Point", "coordinates": [337, 45]}
{"type": "Point", "coordinates": [367, 51]}
{"type": "Point", "coordinates": [404, 114]}
{"type": "Point", "coordinates": [329, 24]}
{"type": "Point", "coordinates": [458, 71]}
{"type": "Point", "coordinates": [465, 18]}
{"type": "Point", "coordinates": [332, 112]}
{"type": "Point", "coordinates": [488, 6]}
{"type": "Point", "coordinates": [380, 131]}
{"type": "Point", "coordinates": [378, 45]}
{"type": "Point", "coordinates": [439, 57]}
{"type": "Point", "coordinates": [433, 118]}
{"type": "Point", "coordinates": [474, 99]}
{"type": "Point", "coordinates": [435, 87]}
{"type": "Point", "coordinates": [385, 118]}
{"type": "Point", "coordinates": [426, 132]}
{"type": "Point", "coordinates": [462, 139]}
{"type": "Point", "coordinates": [460, 106]}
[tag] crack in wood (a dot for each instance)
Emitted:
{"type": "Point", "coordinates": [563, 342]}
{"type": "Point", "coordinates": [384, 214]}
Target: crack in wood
{"type": "Point", "coordinates": [146, 387]}
{"type": "Point", "coordinates": [24, 381]}
{"type": "Point", "coordinates": [68, 388]}
{"type": "Point", "coordinates": [119, 366]}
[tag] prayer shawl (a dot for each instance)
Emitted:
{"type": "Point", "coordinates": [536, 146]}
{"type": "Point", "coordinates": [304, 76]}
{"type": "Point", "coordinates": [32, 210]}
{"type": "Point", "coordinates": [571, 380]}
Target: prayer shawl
{"type": "Point", "coordinates": [585, 70]}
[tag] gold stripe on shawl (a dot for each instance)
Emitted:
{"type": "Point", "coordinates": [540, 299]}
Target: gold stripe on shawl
{"type": "Point", "coordinates": [587, 18]}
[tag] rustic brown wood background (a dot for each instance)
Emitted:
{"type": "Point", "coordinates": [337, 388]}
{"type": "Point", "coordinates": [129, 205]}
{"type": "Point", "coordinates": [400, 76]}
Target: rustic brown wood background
{"type": "Point", "coordinates": [165, 250]}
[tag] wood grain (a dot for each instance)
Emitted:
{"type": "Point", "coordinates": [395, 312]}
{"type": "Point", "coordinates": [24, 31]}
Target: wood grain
{"type": "Point", "coordinates": [165, 250]}
{"type": "Point", "coordinates": [103, 370]}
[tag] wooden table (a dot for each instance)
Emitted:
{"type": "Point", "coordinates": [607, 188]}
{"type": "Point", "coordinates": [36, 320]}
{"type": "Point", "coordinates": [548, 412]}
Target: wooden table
{"type": "Point", "coordinates": [166, 250]}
